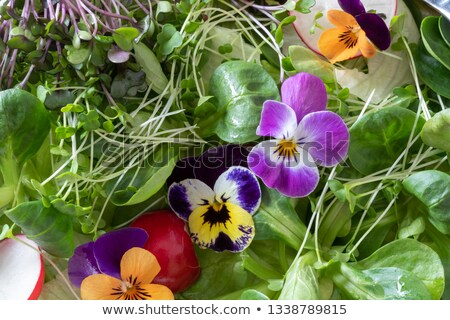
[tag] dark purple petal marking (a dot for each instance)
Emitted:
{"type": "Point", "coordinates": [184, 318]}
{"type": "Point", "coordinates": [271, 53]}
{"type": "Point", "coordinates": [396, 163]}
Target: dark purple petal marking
{"type": "Point", "coordinates": [278, 120]}
{"type": "Point", "coordinates": [82, 264]}
{"type": "Point", "coordinates": [178, 201]}
{"type": "Point", "coordinates": [215, 161]}
{"type": "Point", "coordinates": [305, 93]}
{"type": "Point", "coordinates": [376, 29]}
{"type": "Point", "coordinates": [325, 136]}
{"type": "Point", "coordinates": [187, 195]}
{"type": "Point", "coordinates": [110, 247]}
{"type": "Point", "coordinates": [184, 169]}
{"type": "Point", "coordinates": [239, 185]}
{"type": "Point", "coordinates": [354, 7]}
{"type": "Point", "coordinates": [210, 165]}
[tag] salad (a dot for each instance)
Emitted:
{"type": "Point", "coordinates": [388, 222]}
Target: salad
{"type": "Point", "coordinates": [211, 149]}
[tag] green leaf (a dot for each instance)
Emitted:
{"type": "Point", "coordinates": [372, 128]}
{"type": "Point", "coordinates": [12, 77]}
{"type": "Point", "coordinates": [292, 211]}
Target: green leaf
{"type": "Point", "coordinates": [224, 270]}
{"type": "Point", "coordinates": [432, 188]}
{"type": "Point", "coordinates": [383, 283]}
{"type": "Point", "coordinates": [124, 37]}
{"type": "Point", "coordinates": [304, 6]}
{"type": "Point", "coordinates": [48, 227]}
{"type": "Point", "coordinates": [301, 280]}
{"type": "Point", "coordinates": [155, 76]}
{"type": "Point", "coordinates": [240, 89]}
{"type": "Point", "coordinates": [169, 39]}
{"type": "Point", "coordinates": [433, 41]}
{"type": "Point", "coordinates": [412, 256]}
{"type": "Point", "coordinates": [21, 43]}
{"type": "Point", "coordinates": [77, 56]}
{"type": "Point", "coordinates": [384, 132]}
{"type": "Point", "coordinates": [444, 28]}
{"type": "Point", "coordinates": [432, 72]}
{"type": "Point", "coordinates": [139, 184]}
{"type": "Point", "coordinates": [24, 124]}
{"type": "Point", "coordinates": [279, 32]}
{"type": "Point", "coordinates": [253, 294]}
{"type": "Point", "coordinates": [436, 131]}
{"type": "Point", "coordinates": [304, 60]}
{"type": "Point", "coordinates": [276, 219]}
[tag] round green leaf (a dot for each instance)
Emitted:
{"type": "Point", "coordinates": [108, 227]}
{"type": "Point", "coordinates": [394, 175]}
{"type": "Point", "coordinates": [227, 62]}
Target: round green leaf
{"type": "Point", "coordinates": [378, 139]}
{"type": "Point", "coordinates": [436, 132]}
{"type": "Point", "coordinates": [412, 256]}
{"type": "Point", "coordinates": [240, 89]}
{"type": "Point", "coordinates": [124, 37]}
{"type": "Point", "coordinates": [169, 39]}
{"type": "Point", "coordinates": [433, 41]}
{"type": "Point", "coordinates": [432, 72]}
{"type": "Point", "coordinates": [432, 188]}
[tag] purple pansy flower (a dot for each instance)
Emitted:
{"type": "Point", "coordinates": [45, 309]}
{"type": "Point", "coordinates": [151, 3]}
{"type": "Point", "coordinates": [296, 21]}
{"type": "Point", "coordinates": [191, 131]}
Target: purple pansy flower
{"type": "Point", "coordinates": [219, 216]}
{"type": "Point", "coordinates": [304, 135]}
{"type": "Point", "coordinates": [104, 254]}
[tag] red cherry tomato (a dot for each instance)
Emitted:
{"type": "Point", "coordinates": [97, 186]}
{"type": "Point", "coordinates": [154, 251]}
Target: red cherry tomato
{"type": "Point", "coordinates": [169, 241]}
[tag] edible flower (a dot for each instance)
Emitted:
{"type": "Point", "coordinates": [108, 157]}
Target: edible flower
{"type": "Point", "coordinates": [219, 218]}
{"type": "Point", "coordinates": [116, 266]}
{"type": "Point", "coordinates": [304, 135]}
{"type": "Point", "coordinates": [356, 31]}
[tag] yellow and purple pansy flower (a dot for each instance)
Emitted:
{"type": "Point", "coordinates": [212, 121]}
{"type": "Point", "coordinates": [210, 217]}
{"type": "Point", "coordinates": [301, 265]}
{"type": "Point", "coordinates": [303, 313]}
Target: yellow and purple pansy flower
{"type": "Point", "coordinates": [116, 267]}
{"type": "Point", "coordinates": [357, 31]}
{"type": "Point", "coordinates": [305, 135]}
{"type": "Point", "coordinates": [219, 215]}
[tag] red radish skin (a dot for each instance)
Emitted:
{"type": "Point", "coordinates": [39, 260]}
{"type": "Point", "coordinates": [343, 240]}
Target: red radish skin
{"type": "Point", "coordinates": [22, 270]}
{"type": "Point", "coordinates": [169, 241]}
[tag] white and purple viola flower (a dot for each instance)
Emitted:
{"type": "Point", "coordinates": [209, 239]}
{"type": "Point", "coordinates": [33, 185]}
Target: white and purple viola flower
{"type": "Point", "coordinates": [303, 134]}
{"type": "Point", "coordinates": [219, 217]}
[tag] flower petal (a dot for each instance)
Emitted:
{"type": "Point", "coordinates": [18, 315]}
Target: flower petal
{"type": "Point", "coordinates": [296, 178]}
{"type": "Point", "coordinates": [239, 185]}
{"type": "Point", "coordinates": [341, 19]}
{"type": "Point", "coordinates": [215, 161]}
{"type": "Point", "coordinates": [100, 287]}
{"type": "Point", "coordinates": [156, 292]}
{"type": "Point", "coordinates": [305, 93]}
{"type": "Point", "coordinates": [278, 120]}
{"type": "Point", "coordinates": [82, 264]}
{"type": "Point", "coordinates": [210, 165]}
{"type": "Point", "coordinates": [110, 247]}
{"type": "Point", "coordinates": [187, 195]}
{"type": "Point", "coordinates": [353, 7]}
{"type": "Point", "coordinates": [325, 137]}
{"type": "Point", "coordinates": [333, 49]}
{"type": "Point", "coordinates": [231, 228]}
{"type": "Point", "coordinates": [139, 266]}
{"type": "Point", "coordinates": [376, 29]}
{"type": "Point", "coordinates": [367, 49]}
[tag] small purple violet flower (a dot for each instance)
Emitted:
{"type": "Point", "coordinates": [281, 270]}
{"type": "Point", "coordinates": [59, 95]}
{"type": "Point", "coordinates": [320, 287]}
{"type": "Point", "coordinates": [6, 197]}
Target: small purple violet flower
{"type": "Point", "coordinates": [305, 135]}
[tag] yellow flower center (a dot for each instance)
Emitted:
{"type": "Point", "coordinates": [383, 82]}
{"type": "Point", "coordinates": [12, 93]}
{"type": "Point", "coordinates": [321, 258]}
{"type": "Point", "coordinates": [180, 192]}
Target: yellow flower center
{"type": "Point", "coordinates": [287, 149]}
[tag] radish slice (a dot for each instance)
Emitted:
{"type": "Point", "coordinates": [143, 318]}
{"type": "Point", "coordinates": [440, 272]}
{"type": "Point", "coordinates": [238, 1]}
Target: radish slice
{"type": "Point", "coordinates": [304, 22]}
{"type": "Point", "coordinates": [21, 270]}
